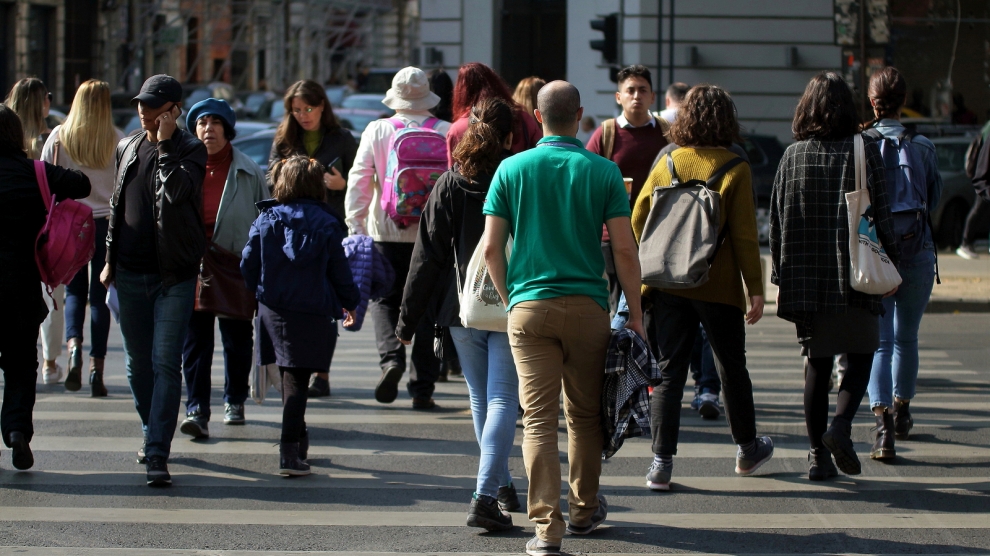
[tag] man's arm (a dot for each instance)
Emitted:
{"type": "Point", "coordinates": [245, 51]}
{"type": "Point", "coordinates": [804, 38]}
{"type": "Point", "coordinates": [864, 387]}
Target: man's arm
{"type": "Point", "coordinates": [496, 236]}
{"type": "Point", "coordinates": [626, 255]}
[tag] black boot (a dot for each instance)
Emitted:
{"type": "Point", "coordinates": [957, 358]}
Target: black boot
{"type": "Point", "coordinates": [883, 446]}
{"type": "Point", "coordinates": [820, 466]}
{"type": "Point", "coordinates": [304, 446]}
{"type": "Point", "coordinates": [289, 463]}
{"type": "Point", "coordinates": [96, 386]}
{"type": "Point", "coordinates": [838, 440]}
{"type": "Point", "coordinates": [902, 419]}
{"type": "Point", "coordinates": [21, 454]}
{"type": "Point", "coordinates": [73, 380]}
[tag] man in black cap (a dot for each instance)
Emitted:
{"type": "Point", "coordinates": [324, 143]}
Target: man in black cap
{"type": "Point", "coordinates": [154, 248]}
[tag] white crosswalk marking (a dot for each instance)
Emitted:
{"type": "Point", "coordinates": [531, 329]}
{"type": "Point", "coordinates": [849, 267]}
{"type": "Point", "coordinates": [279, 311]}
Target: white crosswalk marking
{"type": "Point", "coordinates": [391, 480]}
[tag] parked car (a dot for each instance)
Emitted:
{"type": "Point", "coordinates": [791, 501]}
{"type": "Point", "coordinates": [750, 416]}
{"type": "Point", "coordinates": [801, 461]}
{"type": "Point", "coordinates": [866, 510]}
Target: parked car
{"type": "Point", "coordinates": [337, 94]}
{"type": "Point", "coordinates": [222, 91]}
{"type": "Point", "coordinates": [355, 119]}
{"type": "Point", "coordinates": [257, 103]}
{"type": "Point", "coordinates": [367, 102]}
{"type": "Point", "coordinates": [257, 146]}
{"type": "Point", "coordinates": [246, 127]}
{"type": "Point", "coordinates": [764, 152]}
{"type": "Point", "coordinates": [958, 195]}
{"type": "Point", "coordinates": [55, 117]}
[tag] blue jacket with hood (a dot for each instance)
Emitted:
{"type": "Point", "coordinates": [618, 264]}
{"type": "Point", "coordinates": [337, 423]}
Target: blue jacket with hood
{"type": "Point", "coordinates": [294, 260]}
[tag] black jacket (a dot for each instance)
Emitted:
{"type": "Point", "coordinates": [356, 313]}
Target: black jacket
{"type": "Point", "coordinates": [178, 203]}
{"type": "Point", "coordinates": [336, 144]}
{"type": "Point", "coordinates": [22, 214]}
{"type": "Point", "coordinates": [981, 176]}
{"type": "Point", "coordinates": [452, 220]}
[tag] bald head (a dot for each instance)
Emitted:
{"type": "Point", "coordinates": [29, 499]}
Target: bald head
{"type": "Point", "coordinates": [559, 107]}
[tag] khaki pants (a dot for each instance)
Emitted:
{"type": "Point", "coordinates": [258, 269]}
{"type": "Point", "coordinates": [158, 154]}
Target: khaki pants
{"type": "Point", "coordinates": [560, 342]}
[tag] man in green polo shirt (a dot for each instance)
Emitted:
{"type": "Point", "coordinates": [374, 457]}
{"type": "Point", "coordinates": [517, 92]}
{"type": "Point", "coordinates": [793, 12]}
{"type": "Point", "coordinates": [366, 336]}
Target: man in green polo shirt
{"type": "Point", "coordinates": [553, 200]}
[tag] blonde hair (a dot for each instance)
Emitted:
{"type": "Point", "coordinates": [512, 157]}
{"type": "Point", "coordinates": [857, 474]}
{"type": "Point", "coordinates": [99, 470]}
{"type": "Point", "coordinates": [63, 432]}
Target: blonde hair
{"type": "Point", "coordinates": [87, 135]}
{"type": "Point", "coordinates": [27, 100]}
{"type": "Point", "coordinates": [526, 91]}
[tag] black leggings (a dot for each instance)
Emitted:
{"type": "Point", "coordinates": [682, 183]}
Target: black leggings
{"type": "Point", "coordinates": [851, 391]}
{"type": "Point", "coordinates": [295, 384]}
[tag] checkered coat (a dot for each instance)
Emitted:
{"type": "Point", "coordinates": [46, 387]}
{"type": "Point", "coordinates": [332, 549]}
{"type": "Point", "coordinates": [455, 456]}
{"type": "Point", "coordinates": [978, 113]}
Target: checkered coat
{"type": "Point", "coordinates": [809, 228]}
{"type": "Point", "coordinates": [629, 370]}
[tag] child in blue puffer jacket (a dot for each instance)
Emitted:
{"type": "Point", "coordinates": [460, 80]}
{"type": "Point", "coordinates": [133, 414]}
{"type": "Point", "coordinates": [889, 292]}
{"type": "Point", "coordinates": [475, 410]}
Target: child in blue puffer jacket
{"type": "Point", "coordinates": [295, 264]}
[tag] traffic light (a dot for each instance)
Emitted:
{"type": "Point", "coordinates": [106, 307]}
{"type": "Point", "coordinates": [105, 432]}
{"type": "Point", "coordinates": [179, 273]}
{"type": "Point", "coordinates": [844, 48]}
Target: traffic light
{"type": "Point", "coordinates": [609, 44]}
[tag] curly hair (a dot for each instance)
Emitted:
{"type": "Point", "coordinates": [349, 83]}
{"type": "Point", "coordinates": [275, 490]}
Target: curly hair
{"type": "Point", "coordinates": [298, 177]}
{"type": "Point", "coordinates": [480, 150]}
{"type": "Point", "coordinates": [888, 91]}
{"type": "Point", "coordinates": [706, 119]}
{"type": "Point", "coordinates": [826, 111]}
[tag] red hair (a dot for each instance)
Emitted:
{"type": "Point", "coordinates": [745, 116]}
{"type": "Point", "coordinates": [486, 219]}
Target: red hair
{"type": "Point", "coordinates": [476, 82]}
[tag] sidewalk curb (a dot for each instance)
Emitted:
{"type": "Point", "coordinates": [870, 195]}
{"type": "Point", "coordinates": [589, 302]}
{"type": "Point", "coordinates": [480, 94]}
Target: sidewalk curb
{"type": "Point", "coordinates": [958, 306]}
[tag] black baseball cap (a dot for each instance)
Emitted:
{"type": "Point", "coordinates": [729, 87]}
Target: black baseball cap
{"type": "Point", "coordinates": [158, 90]}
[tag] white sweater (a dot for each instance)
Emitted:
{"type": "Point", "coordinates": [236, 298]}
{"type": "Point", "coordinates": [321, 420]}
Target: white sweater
{"type": "Point", "coordinates": [368, 171]}
{"type": "Point", "coordinates": [101, 179]}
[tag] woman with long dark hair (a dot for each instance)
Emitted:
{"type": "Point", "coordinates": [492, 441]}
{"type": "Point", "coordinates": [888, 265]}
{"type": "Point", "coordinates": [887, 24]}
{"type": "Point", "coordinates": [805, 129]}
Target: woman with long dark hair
{"type": "Point", "coordinates": [22, 214]}
{"type": "Point", "coordinates": [476, 82]}
{"type": "Point", "coordinates": [809, 244]}
{"type": "Point", "coordinates": [895, 365]}
{"type": "Point", "coordinates": [451, 228]}
{"type": "Point", "coordinates": [310, 128]}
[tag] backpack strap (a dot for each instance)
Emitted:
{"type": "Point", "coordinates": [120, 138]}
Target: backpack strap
{"type": "Point", "coordinates": [664, 124]}
{"type": "Point", "coordinates": [723, 169]}
{"type": "Point", "coordinates": [397, 123]}
{"type": "Point", "coordinates": [42, 177]}
{"type": "Point", "coordinates": [608, 138]}
{"type": "Point", "coordinates": [431, 122]}
{"type": "Point", "coordinates": [874, 133]}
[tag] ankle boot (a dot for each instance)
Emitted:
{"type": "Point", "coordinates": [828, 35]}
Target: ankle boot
{"type": "Point", "coordinates": [97, 388]}
{"type": "Point", "coordinates": [820, 466]}
{"type": "Point", "coordinates": [73, 380]}
{"type": "Point", "coordinates": [883, 446]}
{"type": "Point", "coordinates": [838, 440]}
{"type": "Point", "coordinates": [304, 446]}
{"type": "Point", "coordinates": [902, 419]}
{"type": "Point", "coordinates": [289, 463]}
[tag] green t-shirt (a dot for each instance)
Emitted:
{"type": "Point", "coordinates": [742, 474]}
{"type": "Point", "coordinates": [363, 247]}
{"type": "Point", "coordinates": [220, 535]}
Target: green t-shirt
{"type": "Point", "coordinates": [556, 197]}
{"type": "Point", "coordinates": [311, 140]}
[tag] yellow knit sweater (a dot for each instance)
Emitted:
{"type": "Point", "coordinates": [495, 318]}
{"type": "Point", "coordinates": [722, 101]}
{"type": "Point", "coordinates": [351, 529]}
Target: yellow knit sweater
{"type": "Point", "coordinates": [740, 254]}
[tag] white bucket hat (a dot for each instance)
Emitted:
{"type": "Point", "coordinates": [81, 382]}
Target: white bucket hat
{"type": "Point", "coordinates": [410, 91]}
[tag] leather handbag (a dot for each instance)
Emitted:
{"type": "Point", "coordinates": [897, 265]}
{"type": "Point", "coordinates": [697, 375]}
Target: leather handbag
{"type": "Point", "coordinates": [220, 288]}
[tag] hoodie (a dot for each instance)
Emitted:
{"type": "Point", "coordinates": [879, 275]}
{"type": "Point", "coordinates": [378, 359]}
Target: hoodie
{"type": "Point", "coordinates": [294, 259]}
{"type": "Point", "coordinates": [452, 222]}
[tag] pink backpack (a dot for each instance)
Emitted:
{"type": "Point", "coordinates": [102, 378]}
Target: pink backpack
{"type": "Point", "coordinates": [65, 243]}
{"type": "Point", "coordinates": [417, 156]}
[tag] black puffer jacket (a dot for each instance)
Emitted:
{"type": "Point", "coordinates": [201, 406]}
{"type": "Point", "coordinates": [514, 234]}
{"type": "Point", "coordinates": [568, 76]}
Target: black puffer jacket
{"type": "Point", "coordinates": [452, 220]}
{"type": "Point", "coordinates": [178, 203]}
{"type": "Point", "coordinates": [22, 214]}
{"type": "Point", "coordinates": [335, 144]}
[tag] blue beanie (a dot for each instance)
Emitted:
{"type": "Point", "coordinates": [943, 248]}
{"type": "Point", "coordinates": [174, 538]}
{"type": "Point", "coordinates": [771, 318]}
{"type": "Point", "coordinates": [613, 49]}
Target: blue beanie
{"type": "Point", "coordinates": [210, 107]}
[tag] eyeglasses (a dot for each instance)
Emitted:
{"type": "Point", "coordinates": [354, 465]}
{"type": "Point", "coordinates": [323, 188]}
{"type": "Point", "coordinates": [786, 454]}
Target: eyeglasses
{"type": "Point", "coordinates": [307, 110]}
{"type": "Point", "coordinates": [49, 95]}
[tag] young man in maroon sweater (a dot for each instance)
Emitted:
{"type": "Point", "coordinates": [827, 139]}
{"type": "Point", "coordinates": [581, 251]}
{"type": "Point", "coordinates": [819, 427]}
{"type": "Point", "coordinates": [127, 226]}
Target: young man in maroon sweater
{"type": "Point", "coordinates": [638, 138]}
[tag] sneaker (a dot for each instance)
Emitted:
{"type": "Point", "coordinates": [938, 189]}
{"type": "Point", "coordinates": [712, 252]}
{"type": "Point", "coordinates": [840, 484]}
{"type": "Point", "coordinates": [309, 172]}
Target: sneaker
{"type": "Point", "coordinates": [141, 457]}
{"type": "Point", "coordinates": [388, 387]}
{"type": "Point", "coordinates": [748, 463]}
{"type": "Point", "coordinates": [710, 407]}
{"type": "Point", "coordinates": [696, 402]}
{"type": "Point", "coordinates": [233, 414]}
{"type": "Point", "coordinates": [967, 252]}
{"type": "Point", "coordinates": [597, 519]}
{"type": "Point", "coordinates": [838, 441]}
{"type": "Point", "coordinates": [658, 477]}
{"type": "Point", "coordinates": [157, 472]}
{"type": "Point", "coordinates": [21, 455]}
{"type": "Point", "coordinates": [508, 500]}
{"type": "Point", "coordinates": [486, 514]}
{"type": "Point", "coordinates": [318, 387]}
{"type": "Point", "coordinates": [820, 466]}
{"type": "Point", "coordinates": [195, 425]}
{"type": "Point", "coordinates": [53, 376]}
{"type": "Point", "coordinates": [289, 464]}
{"type": "Point", "coordinates": [539, 547]}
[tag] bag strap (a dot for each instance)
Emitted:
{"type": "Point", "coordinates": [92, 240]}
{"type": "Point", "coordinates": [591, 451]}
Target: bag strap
{"type": "Point", "coordinates": [664, 124]}
{"type": "Point", "coordinates": [42, 177]}
{"type": "Point", "coordinates": [431, 122]}
{"type": "Point", "coordinates": [55, 151]}
{"type": "Point", "coordinates": [397, 123]}
{"type": "Point", "coordinates": [859, 161]}
{"type": "Point", "coordinates": [608, 138]}
{"type": "Point", "coordinates": [722, 170]}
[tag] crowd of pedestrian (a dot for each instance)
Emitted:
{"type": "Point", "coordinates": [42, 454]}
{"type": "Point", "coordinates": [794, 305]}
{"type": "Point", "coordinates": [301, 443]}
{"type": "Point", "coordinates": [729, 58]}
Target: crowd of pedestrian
{"type": "Point", "coordinates": [536, 254]}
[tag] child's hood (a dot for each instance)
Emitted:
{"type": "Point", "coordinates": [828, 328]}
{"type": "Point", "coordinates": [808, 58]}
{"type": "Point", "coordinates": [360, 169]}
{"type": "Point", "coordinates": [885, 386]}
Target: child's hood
{"type": "Point", "coordinates": [305, 227]}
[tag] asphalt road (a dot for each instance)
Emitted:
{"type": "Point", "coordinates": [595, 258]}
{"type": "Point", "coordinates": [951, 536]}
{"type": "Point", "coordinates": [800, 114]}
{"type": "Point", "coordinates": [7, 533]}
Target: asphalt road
{"type": "Point", "coordinates": [392, 480]}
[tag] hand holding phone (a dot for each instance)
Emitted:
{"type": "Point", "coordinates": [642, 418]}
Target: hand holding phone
{"type": "Point", "coordinates": [334, 178]}
{"type": "Point", "coordinates": [167, 122]}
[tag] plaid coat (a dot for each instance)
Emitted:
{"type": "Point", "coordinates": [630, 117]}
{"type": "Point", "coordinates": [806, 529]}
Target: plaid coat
{"type": "Point", "coordinates": [629, 370]}
{"type": "Point", "coordinates": [809, 228]}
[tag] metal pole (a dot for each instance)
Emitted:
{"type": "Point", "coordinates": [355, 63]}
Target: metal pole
{"type": "Point", "coordinates": [660, 98]}
{"type": "Point", "coordinates": [862, 60]}
{"type": "Point", "coordinates": [670, 52]}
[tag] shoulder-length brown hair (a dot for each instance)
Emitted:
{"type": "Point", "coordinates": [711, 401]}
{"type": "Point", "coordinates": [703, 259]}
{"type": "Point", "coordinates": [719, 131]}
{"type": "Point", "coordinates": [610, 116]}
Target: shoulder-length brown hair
{"type": "Point", "coordinates": [298, 177]}
{"type": "Point", "coordinates": [27, 99]}
{"type": "Point", "coordinates": [480, 150]}
{"type": "Point", "coordinates": [289, 136]}
{"type": "Point", "coordinates": [707, 118]}
{"type": "Point", "coordinates": [526, 91]}
{"type": "Point", "coordinates": [826, 111]}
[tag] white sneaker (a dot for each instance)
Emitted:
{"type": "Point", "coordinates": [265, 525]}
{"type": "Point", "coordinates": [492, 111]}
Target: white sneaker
{"type": "Point", "coordinates": [55, 376]}
{"type": "Point", "coordinates": [967, 253]}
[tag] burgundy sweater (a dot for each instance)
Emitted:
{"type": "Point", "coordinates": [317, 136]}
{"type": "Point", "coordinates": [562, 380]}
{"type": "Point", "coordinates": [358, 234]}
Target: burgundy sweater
{"type": "Point", "coordinates": [634, 151]}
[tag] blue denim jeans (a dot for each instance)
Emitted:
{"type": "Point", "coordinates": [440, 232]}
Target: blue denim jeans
{"type": "Point", "coordinates": [493, 387]}
{"type": "Point", "coordinates": [703, 369]}
{"type": "Point", "coordinates": [86, 283]}
{"type": "Point", "coordinates": [153, 324]}
{"type": "Point", "coordinates": [895, 366]}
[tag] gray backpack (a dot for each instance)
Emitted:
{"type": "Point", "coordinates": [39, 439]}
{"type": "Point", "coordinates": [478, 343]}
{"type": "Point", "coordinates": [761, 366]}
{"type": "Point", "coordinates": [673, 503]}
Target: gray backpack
{"type": "Point", "coordinates": [681, 237]}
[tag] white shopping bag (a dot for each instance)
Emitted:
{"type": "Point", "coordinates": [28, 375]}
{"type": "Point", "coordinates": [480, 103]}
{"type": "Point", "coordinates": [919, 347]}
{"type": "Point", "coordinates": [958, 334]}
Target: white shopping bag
{"type": "Point", "coordinates": [481, 305]}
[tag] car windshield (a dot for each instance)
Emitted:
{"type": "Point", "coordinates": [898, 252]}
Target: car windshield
{"type": "Point", "coordinates": [365, 103]}
{"type": "Point", "coordinates": [951, 156]}
{"type": "Point", "coordinates": [278, 110]}
{"type": "Point", "coordinates": [254, 102]}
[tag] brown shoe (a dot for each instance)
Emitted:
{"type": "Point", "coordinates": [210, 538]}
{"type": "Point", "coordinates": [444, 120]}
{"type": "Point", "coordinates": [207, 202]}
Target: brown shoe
{"type": "Point", "coordinates": [424, 403]}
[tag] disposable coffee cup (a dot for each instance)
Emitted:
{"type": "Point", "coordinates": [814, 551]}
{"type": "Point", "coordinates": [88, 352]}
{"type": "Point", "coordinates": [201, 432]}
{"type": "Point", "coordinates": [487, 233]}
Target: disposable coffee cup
{"type": "Point", "coordinates": [628, 183]}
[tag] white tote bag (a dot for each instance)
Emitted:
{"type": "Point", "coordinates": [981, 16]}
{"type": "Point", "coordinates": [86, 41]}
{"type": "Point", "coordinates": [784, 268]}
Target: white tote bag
{"type": "Point", "coordinates": [870, 269]}
{"type": "Point", "coordinates": [481, 305]}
